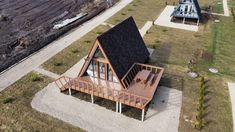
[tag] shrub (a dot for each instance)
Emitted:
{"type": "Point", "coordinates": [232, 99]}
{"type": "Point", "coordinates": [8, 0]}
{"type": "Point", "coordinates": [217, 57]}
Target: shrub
{"type": "Point", "coordinates": [88, 41]}
{"type": "Point", "coordinates": [58, 63]}
{"type": "Point", "coordinates": [99, 32]}
{"type": "Point", "coordinates": [35, 77]}
{"type": "Point", "coordinates": [164, 30]}
{"type": "Point", "coordinates": [158, 41]}
{"type": "Point", "coordinates": [135, 5]}
{"type": "Point", "coordinates": [8, 99]}
{"type": "Point", "coordinates": [74, 51]}
{"type": "Point", "coordinates": [117, 20]}
{"type": "Point", "coordinates": [130, 9]}
{"type": "Point", "coordinates": [233, 14]}
{"type": "Point", "coordinates": [200, 111]}
{"type": "Point", "coordinates": [123, 14]}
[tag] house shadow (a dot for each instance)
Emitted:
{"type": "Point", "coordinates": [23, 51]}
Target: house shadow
{"type": "Point", "coordinates": [165, 99]}
{"type": "Point", "coordinates": [161, 53]}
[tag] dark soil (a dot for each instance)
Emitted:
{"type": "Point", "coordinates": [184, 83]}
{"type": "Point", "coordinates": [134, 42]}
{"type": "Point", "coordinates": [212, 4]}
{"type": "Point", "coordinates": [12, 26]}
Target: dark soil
{"type": "Point", "coordinates": [27, 25]}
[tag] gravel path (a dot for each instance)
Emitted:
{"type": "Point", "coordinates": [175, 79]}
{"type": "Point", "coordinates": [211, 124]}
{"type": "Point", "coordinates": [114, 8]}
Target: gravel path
{"type": "Point", "coordinates": [47, 73]}
{"type": "Point", "coordinates": [225, 6]}
{"type": "Point", "coordinates": [146, 27]}
{"type": "Point", "coordinates": [16, 72]}
{"type": "Point", "coordinates": [164, 112]}
{"type": "Point", "coordinates": [165, 20]}
{"type": "Point", "coordinates": [231, 87]}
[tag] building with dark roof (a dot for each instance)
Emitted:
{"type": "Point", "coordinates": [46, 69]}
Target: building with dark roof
{"type": "Point", "coordinates": [187, 9]}
{"type": "Point", "coordinates": [114, 69]}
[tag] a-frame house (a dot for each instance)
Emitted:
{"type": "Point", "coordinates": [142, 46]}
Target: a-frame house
{"type": "Point", "coordinates": [114, 69]}
{"type": "Point", "coordinates": [187, 10]}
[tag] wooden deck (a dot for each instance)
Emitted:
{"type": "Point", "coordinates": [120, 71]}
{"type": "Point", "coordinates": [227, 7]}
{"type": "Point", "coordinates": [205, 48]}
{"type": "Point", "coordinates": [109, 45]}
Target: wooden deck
{"type": "Point", "coordinates": [134, 93]}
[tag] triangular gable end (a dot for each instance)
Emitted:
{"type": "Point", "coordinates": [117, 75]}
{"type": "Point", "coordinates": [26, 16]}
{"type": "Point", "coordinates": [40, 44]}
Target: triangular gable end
{"type": "Point", "coordinates": [93, 53]}
{"type": "Point", "coordinates": [187, 9]}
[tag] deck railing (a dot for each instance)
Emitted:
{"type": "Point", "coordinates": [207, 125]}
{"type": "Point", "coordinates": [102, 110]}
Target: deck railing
{"type": "Point", "coordinates": [121, 96]}
{"type": "Point", "coordinates": [135, 68]}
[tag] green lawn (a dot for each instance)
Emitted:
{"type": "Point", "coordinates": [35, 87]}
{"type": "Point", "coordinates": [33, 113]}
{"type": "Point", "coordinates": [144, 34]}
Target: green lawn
{"type": "Point", "coordinates": [212, 5]}
{"type": "Point", "coordinates": [215, 42]}
{"type": "Point", "coordinates": [16, 113]}
{"type": "Point", "coordinates": [211, 46]}
{"type": "Point", "coordinates": [223, 46]}
{"type": "Point", "coordinates": [141, 10]}
{"type": "Point", "coordinates": [65, 59]}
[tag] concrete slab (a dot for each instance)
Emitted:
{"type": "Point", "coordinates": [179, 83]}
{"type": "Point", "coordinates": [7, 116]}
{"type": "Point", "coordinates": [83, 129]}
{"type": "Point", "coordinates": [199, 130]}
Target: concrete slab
{"type": "Point", "coordinates": [225, 6]}
{"type": "Point", "coordinates": [231, 87]}
{"type": "Point", "coordinates": [165, 20]}
{"type": "Point", "coordinates": [94, 118]}
{"type": "Point", "coordinates": [47, 73]}
{"type": "Point", "coordinates": [145, 28]}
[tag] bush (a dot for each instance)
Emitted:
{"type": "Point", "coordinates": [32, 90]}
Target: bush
{"type": "Point", "coordinates": [158, 41]}
{"type": "Point", "coordinates": [164, 30]}
{"type": "Point", "coordinates": [87, 41]}
{"type": "Point", "coordinates": [201, 109]}
{"type": "Point", "coordinates": [135, 5]}
{"type": "Point", "coordinates": [74, 51]}
{"type": "Point", "coordinates": [58, 64]}
{"type": "Point", "coordinates": [130, 9]}
{"type": "Point", "coordinates": [8, 100]}
{"type": "Point", "coordinates": [35, 77]}
{"type": "Point", "coordinates": [99, 32]}
{"type": "Point", "coordinates": [233, 14]}
{"type": "Point", "coordinates": [123, 14]}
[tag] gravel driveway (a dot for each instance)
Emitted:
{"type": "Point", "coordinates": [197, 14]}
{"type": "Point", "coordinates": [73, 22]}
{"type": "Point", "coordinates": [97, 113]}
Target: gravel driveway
{"type": "Point", "coordinates": [164, 112]}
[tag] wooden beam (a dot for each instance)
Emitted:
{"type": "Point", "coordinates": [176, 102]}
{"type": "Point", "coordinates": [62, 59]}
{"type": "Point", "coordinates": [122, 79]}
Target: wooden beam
{"type": "Point", "coordinates": [142, 117]}
{"type": "Point", "coordinates": [116, 106]}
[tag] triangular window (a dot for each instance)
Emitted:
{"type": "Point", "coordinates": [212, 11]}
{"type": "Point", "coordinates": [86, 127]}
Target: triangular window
{"type": "Point", "coordinates": [98, 53]}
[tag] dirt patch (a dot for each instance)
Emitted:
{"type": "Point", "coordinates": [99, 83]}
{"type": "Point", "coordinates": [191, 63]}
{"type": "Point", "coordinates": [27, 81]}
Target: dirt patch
{"type": "Point", "coordinates": [27, 25]}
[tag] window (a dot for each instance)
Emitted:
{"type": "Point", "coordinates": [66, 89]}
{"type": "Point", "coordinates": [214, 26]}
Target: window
{"type": "Point", "coordinates": [98, 53]}
{"type": "Point", "coordinates": [102, 70]}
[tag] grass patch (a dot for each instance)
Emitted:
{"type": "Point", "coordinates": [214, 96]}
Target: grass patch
{"type": "Point", "coordinates": [75, 51]}
{"type": "Point", "coordinates": [179, 49]}
{"type": "Point", "coordinates": [16, 113]}
{"type": "Point", "coordinates": [215, 42]}
{"type": "Point", "coordinates": [35, 77]}
{"type": "Point", "coordinates": [8, 99]}
{"type": "Point", "coordinates": [223, 46]}
{"type": "Point", "coordinates": [212, 5]}
{"type": "Point", "coordinates": [142, 11]}
{"type": "Point", "coordinates": [65, 59]}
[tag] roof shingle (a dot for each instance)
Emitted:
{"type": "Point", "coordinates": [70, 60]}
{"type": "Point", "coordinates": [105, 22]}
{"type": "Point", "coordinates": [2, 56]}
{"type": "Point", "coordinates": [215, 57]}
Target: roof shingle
{"type": "Point", "coordinates": [124, 46]}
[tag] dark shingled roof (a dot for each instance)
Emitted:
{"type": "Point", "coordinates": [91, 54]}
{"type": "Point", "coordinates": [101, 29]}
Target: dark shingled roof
{"type": "Point", "coordinates": [198, 9]}
{"type": "Point", "coordinates": [124, 46]}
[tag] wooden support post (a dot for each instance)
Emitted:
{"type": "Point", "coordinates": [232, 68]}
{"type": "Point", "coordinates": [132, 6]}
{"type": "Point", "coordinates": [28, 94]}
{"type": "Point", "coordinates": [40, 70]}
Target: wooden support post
{"type": "Point", "coordinates": [197, 22]}
{"type": "Point", "coordinates": [92, 98]}
{"type": "Point", "coordinates": [70, 92]}
{"type": "Point", "coordinates": [116, 106]}
{"type": "Point", "coordinates": [184, 20]}
{"type": "Point", "coordinates": [142, 118]}
{"type": "Point", "coordinates": [120, 108]}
